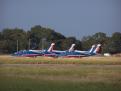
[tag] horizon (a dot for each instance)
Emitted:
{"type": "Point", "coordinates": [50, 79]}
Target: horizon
{"type": "Point", "coordinates": [61, 33]}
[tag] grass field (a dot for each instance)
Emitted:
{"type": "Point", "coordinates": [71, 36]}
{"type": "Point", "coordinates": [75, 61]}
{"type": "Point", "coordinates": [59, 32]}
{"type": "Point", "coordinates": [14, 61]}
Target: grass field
{"type": "Point", "coordinates": [60, 74]}
{"type": "Point", "coordinates": [7, 59]}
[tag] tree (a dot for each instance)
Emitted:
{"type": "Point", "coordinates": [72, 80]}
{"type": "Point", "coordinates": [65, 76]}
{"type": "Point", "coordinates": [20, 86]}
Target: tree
{"type": "Point", "coordinates": [40, 37]}
{"type": "Point", "coordinates": [66, 43]}
{"type": "Point", "coordinates": [87, 41]}
{"type": "Point", "coordinates": [37, 33]}
{"type": "Point", "coordinates": [115, 43]}
{"type": "Point", "coordinates": [99, 37]}
{"type": "Point", "coordinates": [0, 36]}
{"type": "Point", "coordinates": [116, 36]}
{"type": "Point", "coordinates": [10, 37]}
{"type": "Point", "coordinates": [78, 45]}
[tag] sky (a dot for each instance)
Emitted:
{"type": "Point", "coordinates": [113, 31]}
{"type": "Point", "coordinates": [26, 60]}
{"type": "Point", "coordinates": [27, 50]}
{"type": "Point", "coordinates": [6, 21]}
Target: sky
{"type": "Point", "coordinates": [76, 18]}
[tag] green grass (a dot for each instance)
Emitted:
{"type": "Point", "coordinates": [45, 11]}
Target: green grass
{"type": "Point", "coordinates": [60, 74]}
{"type": "Point", "coordinates": [56, 77]}
{"type": "Point", "coordinates": [27, 84]}
{"type": "Point", "coordinates": [5, 59]}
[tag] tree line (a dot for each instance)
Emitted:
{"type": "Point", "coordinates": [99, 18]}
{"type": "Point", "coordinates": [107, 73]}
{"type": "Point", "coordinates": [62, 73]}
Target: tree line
{"type": "Point", "coordinates": [39, 37]}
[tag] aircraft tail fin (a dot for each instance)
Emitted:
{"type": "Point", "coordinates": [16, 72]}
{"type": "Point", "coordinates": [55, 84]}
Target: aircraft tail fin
{"type": "Point", "coordinates": [71, 48]}
{"type": "Point", "coordinates": [98, 48]}
{"type": "Point", "coordinates": [92, 49]}
{"type": "Point", "coordinates": [51, 47]}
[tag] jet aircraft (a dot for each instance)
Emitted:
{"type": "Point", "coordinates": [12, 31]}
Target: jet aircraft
{"type": "Point", "coordinates": [55, 53]}
{"type": "Point", "coordinates": [95, 49]}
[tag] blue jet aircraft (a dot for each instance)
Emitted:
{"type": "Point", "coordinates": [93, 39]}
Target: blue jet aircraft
{"type": "Point", "coordinates": [55, 53]}
{"type": "Point", "coordinates": [77, 53]}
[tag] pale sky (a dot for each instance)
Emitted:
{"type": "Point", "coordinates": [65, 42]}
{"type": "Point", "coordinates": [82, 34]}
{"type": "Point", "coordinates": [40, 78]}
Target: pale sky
{"type": "Point", "coordinates": [76, 18]}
